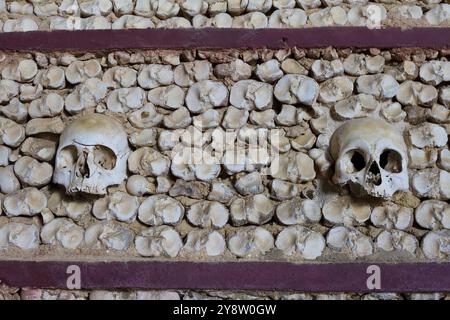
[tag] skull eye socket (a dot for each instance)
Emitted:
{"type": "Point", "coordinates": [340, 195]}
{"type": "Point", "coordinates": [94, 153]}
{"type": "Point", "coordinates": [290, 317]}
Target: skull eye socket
{"type": "Point", "coordinates": [104, 157]}
{"type": "Point", "coordinates": [356, 161]}
{"type": "Point", "coordinates": [67, 157]}
{"type": "Point", "coordinates": [391, 161]}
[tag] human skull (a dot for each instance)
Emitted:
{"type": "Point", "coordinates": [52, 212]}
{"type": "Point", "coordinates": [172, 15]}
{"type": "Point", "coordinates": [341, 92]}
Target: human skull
{"type": "Point", "coordinates": [370, 156]}
{"type": "Point", "coordinates": [92, 155]}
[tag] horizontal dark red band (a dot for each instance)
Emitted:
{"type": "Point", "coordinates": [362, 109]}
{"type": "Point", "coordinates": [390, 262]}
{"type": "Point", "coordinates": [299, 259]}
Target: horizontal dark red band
{"type": "Point", "coordinates": [322, 277]}
{"type": "Point", "coordinates": [360, 37]}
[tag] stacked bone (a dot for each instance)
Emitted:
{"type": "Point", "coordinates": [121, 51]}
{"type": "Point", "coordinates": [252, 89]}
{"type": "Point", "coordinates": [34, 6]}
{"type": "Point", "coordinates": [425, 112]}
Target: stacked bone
{"type": "Point", "coordinates": [67, 185]}
{"type": "Point", "coordinates": [141, 14]}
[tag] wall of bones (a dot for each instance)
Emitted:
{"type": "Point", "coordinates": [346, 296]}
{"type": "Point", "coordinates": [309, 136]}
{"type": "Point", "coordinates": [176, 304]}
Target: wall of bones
{"type": "Point", "coordinates": [128, 14]}
{"type": "Point", "coordinates": [295, 155]}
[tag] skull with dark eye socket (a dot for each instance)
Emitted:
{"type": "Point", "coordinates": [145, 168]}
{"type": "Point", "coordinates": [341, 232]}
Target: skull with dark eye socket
{"type": "Point", "coordinates": [92, 155]}
{"type": "Point", "coordinates": [371, 156]}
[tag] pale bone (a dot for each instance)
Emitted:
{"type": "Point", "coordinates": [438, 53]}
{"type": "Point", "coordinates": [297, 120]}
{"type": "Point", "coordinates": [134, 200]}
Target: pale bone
{"type": "Point", "coordinates": [207, 214]}
{"type": "Point", "coordinates": [21, 235]}
{"type": "Point", "coordinates": [11, 133]}
{"type": "Point", "coordinates": [335, 89]}
{"type": "Point", "coordinates": [393, 112]}
{"type": "Point", "coordinates": [433, 214]}
{"type": "Point", "coordinates": [257, 209]}
{"type": "Point", "coordinates": [407, 70]}
{"type": "Point", "coordinates": [170, 97]}
{"type": "Point", "coordinates": [168, 139]}
{"type": "Point", "coordinates": [360, 64]}
{"type": "Point", "coordinates": [283, 4]}
{"type": "Point", "coordinates": [221, 20]}
{"type": "Point", "coordinates": [264, 119]}
{"type": "Point", "coordinates": [296, 167]}
{"type": "Point", "coordinates": [28, 92]}
{"type": "Point", "coordinates": [236, 70]}
{"type": "Point", "coordinates": [431, 183]}
{"type": "Point", "coordinates": [269, 71]}
{"type": "Point", "coordinates": [371, 155]}
{"type": "Point", "coordinates": [92, 155]}
{"type": "Point", "coordinates": [438, 15]}
{"type": "Point", "coordinates": [109, 234]}
{"type": "Point", "coordinates": [293, 66]}
{"type": "Point", "coordinates": [382, 86]}
{"type": "Point", "coordinates": [395, 240]}
{"type": "Point", "coordinates": [287, 18]}
{"type": "Point", "coordinates": [435, 72]}
{"type": "Point", "coordinates": [193, 7]}
{"type": "Point", "coordinates": [95, 23]}
{"type": "Point", "coordinates": [63, 231]}
{"type": "Point", "coordinates": [80, 71]}
{"type": "Point", "coordinates": [250, 94]}
{"type": "Point", "coordinates": [207, 120]}
{"type": "Point", "coordinates": [26, 202]}
{"type": "Point", "coordinates": [259, 5]}
{"type": "Point", "coordinates": [87, 94]}
{"type": "Point", "coordinates": [252, 20]}
{"type": "Point", "coordinates": [53, 78]}
{"type": "Point", "coordinates": [148, 162]}
{"type": "Point", "coordinates": [119, 77]}
{"type": "Point", "coordinates": [160, 241]}
{"type": "Point", "coordinates": [221, 191]}
{"type": "Point", "coordinates": [32, 172]}
{"type": "Point", "coordinates": [444, 159]}
{"type": "Point", "coordinates": [439, 114]}
{"type": "Point", "coordinates": [200, 241]}
{"type": "Point", "coordinates": [155, 75]}
{"type": "Point", "coordinates": [180, 118]}
{"type": "Point", "coordinates": [21, 71]}
{"type": "Point", "coordinates": [124, 99]}
{"type": "Point", "coordinates": [8, 180]}
{"type": "Point", "coordinates": [346, 210]}
{"type": "Point", "coordinates": [249, 184]}
{"type": "Point", "coordinates": [235, 118]}
{"type": "Point", "coordinates": [444, 96]}
{"type": "Point", "coordinates": [294, 88]}
{"type": "Point", "coordinates": [145, 117]}
{"type": "Point", "coordinates": [301, 241]}
{"type": "Point", "coordinates": [350, 241]}
{"type": "Point", "coordinates": [8, 90]}
{"type": "Point", "coordinates": [309, 4]}
{"type": "Point", "coordinates": [428, 135]}
{"type": "Point", "coordinates": [119, 205]}
{"type": "Point", "coordinates": [287, 116]}
{"type": "Point", "coordinates": [186, 74]}
{"type": "Point", "coordinates": [435, 244]}
{"type": "Point", "coordinates": [205, 95]}
{"type": "Point", "coordinates": [165, 9]}
{"type": "Point", "coordinates": [132, 22]}
{"type": "Point", "coordinates": [407, 11]}
{"type": "Point", "coordinates": [50, 105]}
{"type": "Point", "coordinates": [323, 70]}
{"type": "Point", "coordinates": [160, 209]}
{"type": "Point", "coordinates": [74, 208]}
{"type": "Point", "coordinates": [392, 216]}
{"type": "Point", "coordinates": [331, 16]}
{"type": "Point", "coordinates": [282, 190]}
{"type": "Point", "coordinates": [322, 160]}
{"type": "Point", "coordinates": [95, 7]}
{"type": "Point", "coordinates": [357, 106]}
{"type": "Point", "coordinates": [44, 125]}
{"type": "Point", "coordinates": [15, 110]}
{"type": "Point", "coordinates": [370, 16]}
{"type": "Point", "coordinates": [298, 211]}
{"type": "Point", "coordinates": [138, 186]}
{"type": "Point", "coordinates": [144, 138]}
{"type": "Point", "coordinates": [413, 93]}
{"type": "Point", "coordinates": [22, 24]}
{"type": "Point", "coordinates": [250, 242]}
{"type": "Point", "coordinates": [5, 153]}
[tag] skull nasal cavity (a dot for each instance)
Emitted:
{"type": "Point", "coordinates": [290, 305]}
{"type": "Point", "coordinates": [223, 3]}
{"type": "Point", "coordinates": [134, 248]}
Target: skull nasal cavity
{"type": "Point", "coordinates": [358, 161]}
{"type": "Point", "coordinates": [374, 174]}
{"type": "Point", "coordinates": [391, 161]}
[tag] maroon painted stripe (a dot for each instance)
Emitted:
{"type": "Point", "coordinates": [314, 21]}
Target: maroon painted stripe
{"type": "Point", "coordinates": [360, 37]}
{"type": "Point", "coordinates": [338, 277]}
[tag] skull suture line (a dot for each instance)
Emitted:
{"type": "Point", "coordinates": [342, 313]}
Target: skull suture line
{"type": "Point", "coordinates": [92, 155]}
{"type": "Point", "coordinates": [370, 156]}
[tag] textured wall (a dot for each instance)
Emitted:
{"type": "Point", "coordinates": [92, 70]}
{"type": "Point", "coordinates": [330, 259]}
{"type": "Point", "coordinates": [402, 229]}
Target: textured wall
{"type": "Point", "coordinates": [74, 184]}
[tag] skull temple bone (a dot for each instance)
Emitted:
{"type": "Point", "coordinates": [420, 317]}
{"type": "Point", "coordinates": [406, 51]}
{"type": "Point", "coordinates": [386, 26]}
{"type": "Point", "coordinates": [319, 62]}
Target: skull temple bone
{"type": "Point", "coordinates": [92, 155]}
{"type": "Point", "coordinates": [371, 156]}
